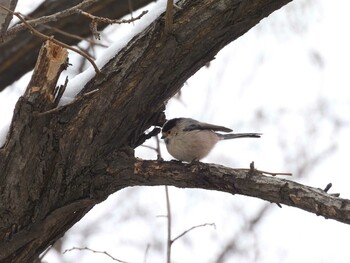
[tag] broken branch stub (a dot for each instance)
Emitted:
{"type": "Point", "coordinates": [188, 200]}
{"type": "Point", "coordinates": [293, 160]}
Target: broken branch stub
{"type": "Point", "coordinates": [52, 60]}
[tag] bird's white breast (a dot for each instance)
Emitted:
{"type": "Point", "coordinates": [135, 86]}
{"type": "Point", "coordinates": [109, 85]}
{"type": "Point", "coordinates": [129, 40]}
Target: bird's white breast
{"type": "Point", "coordinates": [193, 145]}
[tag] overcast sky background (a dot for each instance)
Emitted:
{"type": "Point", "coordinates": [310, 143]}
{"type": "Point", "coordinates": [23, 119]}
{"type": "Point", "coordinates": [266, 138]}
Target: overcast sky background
{"type": "Point", "coordinates": [287, 78]}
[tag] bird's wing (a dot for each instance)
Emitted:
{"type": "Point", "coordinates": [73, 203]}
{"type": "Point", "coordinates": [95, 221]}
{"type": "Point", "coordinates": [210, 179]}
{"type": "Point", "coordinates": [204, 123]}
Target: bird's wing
{"type": "Point", "coordinates": [206, 126]}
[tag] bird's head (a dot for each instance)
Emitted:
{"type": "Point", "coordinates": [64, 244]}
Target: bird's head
{"type": "Point", "coordinates": [171, 129]}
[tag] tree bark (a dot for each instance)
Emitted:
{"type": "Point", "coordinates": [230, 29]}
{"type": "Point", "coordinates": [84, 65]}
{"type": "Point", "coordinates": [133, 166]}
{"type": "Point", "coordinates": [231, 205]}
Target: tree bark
{"type": "Point", "coordinates": [244, 182]}
{"type": "Point", "coordinates": [57, 163]}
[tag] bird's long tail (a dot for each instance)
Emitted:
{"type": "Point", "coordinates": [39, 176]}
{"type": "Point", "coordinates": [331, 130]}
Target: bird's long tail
{"type": "Point", "coordinates": [238, 135]}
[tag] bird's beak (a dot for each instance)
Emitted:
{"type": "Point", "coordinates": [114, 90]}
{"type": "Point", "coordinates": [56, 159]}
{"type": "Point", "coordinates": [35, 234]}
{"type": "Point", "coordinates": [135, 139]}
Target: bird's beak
{"type": "Point", "coordinates": [163, 136]}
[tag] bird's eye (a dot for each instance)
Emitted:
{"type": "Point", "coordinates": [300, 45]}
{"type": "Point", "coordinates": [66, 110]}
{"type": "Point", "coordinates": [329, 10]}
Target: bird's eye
{"type": "Point", "coordinates": [168, 132]}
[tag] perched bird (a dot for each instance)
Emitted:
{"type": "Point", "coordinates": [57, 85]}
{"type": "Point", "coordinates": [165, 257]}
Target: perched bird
{"type": "Point", "coordinates": [189, 140]}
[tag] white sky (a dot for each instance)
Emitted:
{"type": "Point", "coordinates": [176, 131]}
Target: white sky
{"type": "Point", "coordinates": [270, 70]}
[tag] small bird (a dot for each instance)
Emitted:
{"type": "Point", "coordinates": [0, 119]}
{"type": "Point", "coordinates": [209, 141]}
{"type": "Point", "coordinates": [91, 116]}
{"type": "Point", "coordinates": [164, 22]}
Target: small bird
{"type": "Point", "coordinates": [189, 140]}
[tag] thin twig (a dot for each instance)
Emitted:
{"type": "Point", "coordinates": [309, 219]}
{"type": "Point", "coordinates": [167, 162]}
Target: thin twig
{"type": "Point", "coordinates": [149, 147]}
{"type": "Point", "coordinates": [95, 20]}
{"type": "Point", "coordinates": [169, 20]}
{"type": "Point", "coordinates": [190, 229]}
{"type": "Point", "coordinates": [95, 251]}
{"type": "Point", "coordinates": [146, 253]}
{"type": "Point", "coordinates": [74, 36]}
{"type": "Point", "coordinates": [105, 20]}
{"type": "Point", "coordinates": [169, 242]}
{"type": "Point", "coordinates": [41, 35]}
{"type": "Point", "coordinates": [328, 186]}
{"type": "Point", "coordinates": [50, 18]}
{"type": "Point", "coordinates": [64, 33]}
{"type": "Point", "coordinates": [265, 172]}
{"type": "Point", "coordinates": [159, 153]}
{"type": "Point", "coordinates": [273, 174]}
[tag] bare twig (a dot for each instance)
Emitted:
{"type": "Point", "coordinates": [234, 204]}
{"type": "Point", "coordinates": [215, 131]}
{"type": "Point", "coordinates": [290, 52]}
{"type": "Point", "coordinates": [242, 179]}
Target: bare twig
{"type": "Point", "coordinates": [159, 153]}
{"type": "Point", "coordinates": [111, 21]}
{"type": "Point", "coordinates": [190, 229]}
{"type": "Point", "coordinates": [169, 242]}
{"type": "Point", "coordinates": [146, 253]}
{"type": "Point", "coordinates": [74, 36]}
{"type": "Point", "coordinates": [169, 20]}
{"type": "Point", "coordinates": [273, 174]}
{"type": "Point", "coordinates": [252, 169]}
{"type": "Point", "coordinates": [328, 186]}
{"type": "Point", "coordinates": [43, 36]}
{"type": "Point", "coordinates": [94, 251]}
{"type": "Point", "coordinates": [149, 147]}
{"type": "Point", "coordinates": [95, 20]}
{"type": "Point", "coordinates": [168, 207]}
{"type": "Point", "coordinates": [57, 30]}
{"type": "Point", "coordinates": [50, 18]}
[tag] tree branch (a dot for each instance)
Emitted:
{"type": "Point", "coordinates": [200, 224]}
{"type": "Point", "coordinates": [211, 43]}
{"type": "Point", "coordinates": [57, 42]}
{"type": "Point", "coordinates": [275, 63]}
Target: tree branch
{"type": "Point", "coordinates": [238, 181]}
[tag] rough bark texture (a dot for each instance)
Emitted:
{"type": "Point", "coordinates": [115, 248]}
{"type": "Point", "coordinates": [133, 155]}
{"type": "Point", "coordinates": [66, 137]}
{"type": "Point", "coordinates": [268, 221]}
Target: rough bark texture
{"type": "Point", "coordinates": [23, 49]}
{"type": "Point", "coordinates": [243, 182]}
{"type": "Point", "coordinates": [57, 163]}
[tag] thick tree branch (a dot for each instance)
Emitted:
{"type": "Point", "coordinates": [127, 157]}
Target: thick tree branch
{"type": "Point", "coordinates": [243, 182]}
